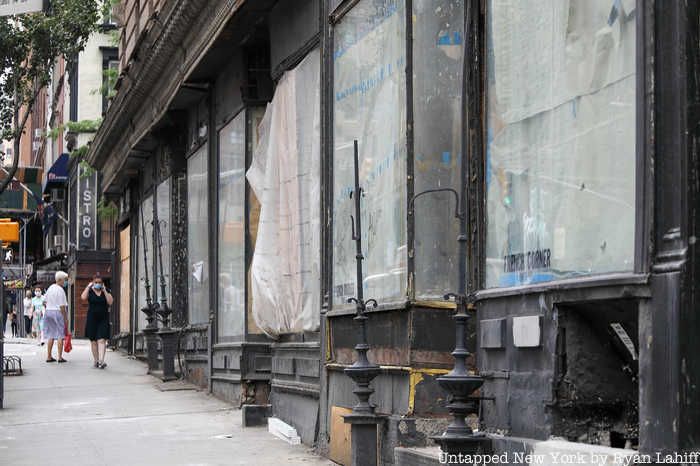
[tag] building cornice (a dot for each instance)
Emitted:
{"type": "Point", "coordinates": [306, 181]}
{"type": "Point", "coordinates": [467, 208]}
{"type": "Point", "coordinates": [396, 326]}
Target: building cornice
{"type": "Point", "coordinates": [164, 56]}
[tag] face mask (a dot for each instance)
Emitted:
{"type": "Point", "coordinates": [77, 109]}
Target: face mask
{"type": "Point", "coordinates": [97, 286]}
{"type": "Point", "coordinates": [37, 293]}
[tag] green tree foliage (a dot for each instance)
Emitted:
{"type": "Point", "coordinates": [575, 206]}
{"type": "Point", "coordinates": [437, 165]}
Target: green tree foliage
{"type": "Point", "coordinates": [107, 210]}
{"type": "Point", "coordinates": [29, 46]}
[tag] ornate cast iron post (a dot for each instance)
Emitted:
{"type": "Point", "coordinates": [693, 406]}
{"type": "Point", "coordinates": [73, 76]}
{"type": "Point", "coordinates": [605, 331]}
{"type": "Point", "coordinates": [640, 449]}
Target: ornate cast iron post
{"type": "Point", "coordinates": [459, 437]}
{"type": "Point", "coordinates": [150, 309]}
{"type": "Point", "coordinates": [363, 419]}
{"type": "Point", "coordinates": [459, 383]}
{"type": "Point", "coordinates": [168, 336]}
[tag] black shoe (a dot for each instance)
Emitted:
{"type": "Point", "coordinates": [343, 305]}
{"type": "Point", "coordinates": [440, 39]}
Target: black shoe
{"type": "Point", "coordinates": [51, 360]}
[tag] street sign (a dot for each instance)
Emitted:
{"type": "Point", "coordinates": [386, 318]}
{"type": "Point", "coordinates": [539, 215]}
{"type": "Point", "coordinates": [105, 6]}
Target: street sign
{"type": "Point", "coordinates": [19, 7]}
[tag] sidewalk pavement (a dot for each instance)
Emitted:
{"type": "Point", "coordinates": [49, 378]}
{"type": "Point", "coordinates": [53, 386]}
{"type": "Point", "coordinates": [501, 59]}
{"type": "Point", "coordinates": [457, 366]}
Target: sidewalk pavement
{"type": "Point", "coordinates": [73, 414]}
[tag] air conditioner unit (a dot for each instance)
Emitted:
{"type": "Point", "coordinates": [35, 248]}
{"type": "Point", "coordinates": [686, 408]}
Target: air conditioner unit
{"type": "Point", "coordinates": [58, 241]}
{"type": "Point", "coordinates": [58, 195]}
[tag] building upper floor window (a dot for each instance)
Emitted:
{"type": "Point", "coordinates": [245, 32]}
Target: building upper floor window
{"type": "Point", "coordinates": [110, 73]}
{"type": "Point", "coordinates": [560, 151]}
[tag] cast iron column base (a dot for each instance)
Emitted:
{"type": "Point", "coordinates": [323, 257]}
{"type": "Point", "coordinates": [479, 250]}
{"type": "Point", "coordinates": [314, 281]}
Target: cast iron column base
{"type": "Point", "coordinates": [459, 438]}
{"type": "Point", "coordinates": [365, 441]}
{"type": "Point", "coordinates": [456, 447]}
{"type": "Point", "coordinates": [149, 334]}
{"type": "Point", "coordinates": [363, 419]}
{"type": "Point", "coordinates": [168, 338]}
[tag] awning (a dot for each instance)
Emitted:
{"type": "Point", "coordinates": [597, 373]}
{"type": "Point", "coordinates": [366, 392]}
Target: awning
{"type": "Point", "coordinates": [57, 176]}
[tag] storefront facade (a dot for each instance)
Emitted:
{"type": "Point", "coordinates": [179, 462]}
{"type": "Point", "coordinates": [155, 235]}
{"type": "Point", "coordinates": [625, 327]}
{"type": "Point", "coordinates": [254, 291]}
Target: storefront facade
{"type": "Point", "coordinates": [574, 125]}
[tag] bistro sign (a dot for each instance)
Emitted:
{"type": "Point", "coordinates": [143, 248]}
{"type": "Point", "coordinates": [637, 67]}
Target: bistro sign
{"type": "Point", "coordinates": [87, 209]}
{"type": "Point", "coordinates": [18, 7]}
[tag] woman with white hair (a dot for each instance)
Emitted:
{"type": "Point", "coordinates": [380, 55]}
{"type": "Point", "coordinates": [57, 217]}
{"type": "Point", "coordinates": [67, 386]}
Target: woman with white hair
{"type": "Point", "coordinates": [55, 315]}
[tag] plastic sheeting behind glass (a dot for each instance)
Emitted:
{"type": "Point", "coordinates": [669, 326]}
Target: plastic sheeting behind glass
{"type": "Point", "coordinates": [163, 206]}
{"type": "Point", "coordinates": [561, 139]}
{"type": "Point", "coordinates": [145, 223]}
{"type": "Point", "coordinates": [438, 37]}
{"type": "Point", "coordinates": [231, 318]}
{"type": "Point", "coordinates": [369, 98]}
{"type": "Point", "coordinates": [285, 177]}
{"type": "Point", "coordinates": [198, 237]}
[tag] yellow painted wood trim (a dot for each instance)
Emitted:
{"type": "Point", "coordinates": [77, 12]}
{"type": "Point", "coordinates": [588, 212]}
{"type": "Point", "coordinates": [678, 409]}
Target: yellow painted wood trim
{"type": "Point", "coordinates": [414, 378]}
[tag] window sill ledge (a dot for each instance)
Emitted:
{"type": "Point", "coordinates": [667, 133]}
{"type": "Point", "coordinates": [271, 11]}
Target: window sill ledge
{"type": "Point", "coordinates": [635, 282]}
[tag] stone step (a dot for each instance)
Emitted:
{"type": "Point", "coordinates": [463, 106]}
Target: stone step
{"type": "Point", "coordinates": [425, 456]}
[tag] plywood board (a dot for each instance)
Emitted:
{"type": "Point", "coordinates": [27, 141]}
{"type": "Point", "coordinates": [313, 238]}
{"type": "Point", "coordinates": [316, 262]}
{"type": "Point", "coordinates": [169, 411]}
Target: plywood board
{"type": "Point", "coordinates": [340, 436]}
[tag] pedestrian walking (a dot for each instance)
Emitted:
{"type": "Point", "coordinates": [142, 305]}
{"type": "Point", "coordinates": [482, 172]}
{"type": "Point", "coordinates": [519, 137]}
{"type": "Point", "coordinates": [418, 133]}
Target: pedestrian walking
{"type": "Point", "coordinates": [7, 313]}
{"type": "Point", "coordinates": [28, 313]}
{"type": "Point", "coordinates": [38, 315]}
{"type": "Point", "coordinates": [55, 316]}
{"type": "Point", "coordinates": [13, 323]}
{"type": "Point", "coordinates": [97, 325]}
{"type": "Point", "coordinates": [5, 318]}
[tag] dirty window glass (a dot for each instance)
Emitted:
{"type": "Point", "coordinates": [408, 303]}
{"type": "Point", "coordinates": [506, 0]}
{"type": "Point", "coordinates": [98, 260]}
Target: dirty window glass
{"type": "Point", "coordinates": [369, 91]}
{"type": "Point", "coordinates": [232, 227]}
{"type": "Point", "coordinates": [560, 172]}
{"type": "Point", "coordinates": [437, 107]}
{"type": "Point", "coordinates": [163, 201]}
{"type": "Point", "coordinates": [198, 237]}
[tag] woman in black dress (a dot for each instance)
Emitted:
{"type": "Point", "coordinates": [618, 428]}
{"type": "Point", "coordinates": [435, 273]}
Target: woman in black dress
{"type": "Point", "coordinates": [97, 325]}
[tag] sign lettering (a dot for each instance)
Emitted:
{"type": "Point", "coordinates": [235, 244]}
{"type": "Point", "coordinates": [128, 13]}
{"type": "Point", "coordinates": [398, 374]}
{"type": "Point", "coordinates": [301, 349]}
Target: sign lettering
{"type": "Point", "coordinates": [531, 260]}
{"type": "Point", "coordinates": [87, 210]}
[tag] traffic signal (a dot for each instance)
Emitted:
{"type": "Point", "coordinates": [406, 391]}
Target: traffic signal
{"type": "Point", "coordinates": [9, 231]}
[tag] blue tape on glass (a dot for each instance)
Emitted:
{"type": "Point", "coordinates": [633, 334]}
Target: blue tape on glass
{"type": "Point", "coordinates": [450, 39]}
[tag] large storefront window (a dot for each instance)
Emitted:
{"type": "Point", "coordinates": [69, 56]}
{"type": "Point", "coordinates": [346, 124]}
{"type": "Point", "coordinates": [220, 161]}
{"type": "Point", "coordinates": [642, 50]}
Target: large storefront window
{"type": "Point", "coordinates": [284, 176]}
{"type": "Point", "coordinates": [163, 206]}
{"type": "Point", "coordinates": [560, 170]}
{"type": "Point", "coordinates": [437, 115]}
{"type": "Point", "coordinates": [198, 237]}
{"type": "Point", "coordinates": [144, 233]}
{"type": "Point", "coordinates": [369, 99]}
{"type": "Point", "coordinates": [232, 152]}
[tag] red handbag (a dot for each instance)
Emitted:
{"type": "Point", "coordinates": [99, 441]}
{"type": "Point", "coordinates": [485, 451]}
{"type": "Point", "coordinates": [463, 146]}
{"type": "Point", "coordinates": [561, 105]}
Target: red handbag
{"type": "Point", "coordinates": [67, 343]}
